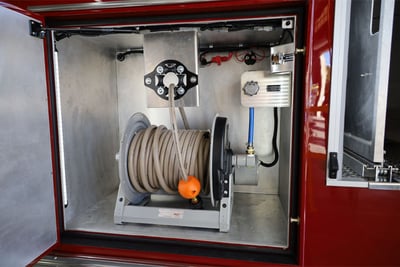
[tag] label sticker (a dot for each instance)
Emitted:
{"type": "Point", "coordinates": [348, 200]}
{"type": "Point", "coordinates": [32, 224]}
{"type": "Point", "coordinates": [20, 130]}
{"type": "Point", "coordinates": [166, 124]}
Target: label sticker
{"type": "Point", "coordinates": [273, 88]}
{"type": "Point", "coordinates": [170, 213]}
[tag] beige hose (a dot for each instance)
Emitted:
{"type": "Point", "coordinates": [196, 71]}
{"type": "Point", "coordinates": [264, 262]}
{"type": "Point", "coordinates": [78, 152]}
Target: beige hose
{"type": "Point", "coordinates": [153, 163]}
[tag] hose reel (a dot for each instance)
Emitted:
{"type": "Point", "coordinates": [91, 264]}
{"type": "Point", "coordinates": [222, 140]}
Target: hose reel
{"type": "Point", "coordinates": [206, 154]}
{"type": "Point", "coordinates": [148, 165]}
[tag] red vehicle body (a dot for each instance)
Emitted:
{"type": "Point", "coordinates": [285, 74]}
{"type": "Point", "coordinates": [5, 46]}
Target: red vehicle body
{"type": "Point", "coordinates": [338, 226]}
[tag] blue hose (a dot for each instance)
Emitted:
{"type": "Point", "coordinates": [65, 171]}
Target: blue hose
{"type": "Point", "coordinates": [251, 127]}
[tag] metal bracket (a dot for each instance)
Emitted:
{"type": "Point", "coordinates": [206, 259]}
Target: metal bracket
{"type": "Point", "coordinates": [379, 172]}
{"type": "Point", "coordinates": [36, 29]}
{"type": "Point", "coordinates": [383, 173]}
{"type": "Point", "coordinates": [155, 79]}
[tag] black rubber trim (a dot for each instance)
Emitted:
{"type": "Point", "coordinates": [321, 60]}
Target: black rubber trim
{"type": "Point", "coordinates": [219, 157]}
{"type": "Point", "coordinates": [55, 22]}
{"type": "Point", "coordinates": [54, 130]}
{"type": "Point", "coordinates": [148, 245]}
{"type": "Point", "coordinates": [297, 142]}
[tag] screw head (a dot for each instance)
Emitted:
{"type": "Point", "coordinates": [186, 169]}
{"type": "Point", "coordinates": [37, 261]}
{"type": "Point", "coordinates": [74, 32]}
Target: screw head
{"type": "Point", "coordinates": [180, 91]}
{"type": "Point", "coordinates": [148, 80]}
{"type": "Point", "coordinates": [160, 69]}
{"type": "Point", "coordinates": [193, 79]}
{"type": "Point", "coordinates": [180, 69]}
{"type": "Point", "coordinates": [160, 90]}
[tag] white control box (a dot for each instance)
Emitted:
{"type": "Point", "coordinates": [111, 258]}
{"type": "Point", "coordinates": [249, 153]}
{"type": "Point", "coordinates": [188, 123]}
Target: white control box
{"type": "Point", "coordinates": [266, 89]}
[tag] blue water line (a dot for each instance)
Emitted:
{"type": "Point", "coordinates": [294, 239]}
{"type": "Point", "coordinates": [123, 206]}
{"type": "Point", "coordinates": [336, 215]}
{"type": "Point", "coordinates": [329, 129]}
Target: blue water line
{"type": "Point", "coordinates": [251, 127]}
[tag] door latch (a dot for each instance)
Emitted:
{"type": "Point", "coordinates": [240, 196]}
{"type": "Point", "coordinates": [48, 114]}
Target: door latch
{"type": "Point", "coordinates": [333, 165]}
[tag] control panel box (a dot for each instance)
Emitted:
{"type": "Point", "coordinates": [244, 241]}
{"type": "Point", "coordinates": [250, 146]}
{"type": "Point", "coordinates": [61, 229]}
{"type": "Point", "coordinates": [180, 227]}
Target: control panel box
{"type": "Point", "coordinates": [265, 89]}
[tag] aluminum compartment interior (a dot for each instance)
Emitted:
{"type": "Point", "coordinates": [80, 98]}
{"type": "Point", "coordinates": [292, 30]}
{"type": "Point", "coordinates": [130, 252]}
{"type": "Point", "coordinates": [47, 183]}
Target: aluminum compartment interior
{"type": "Point", "coordinates": [98, 94]}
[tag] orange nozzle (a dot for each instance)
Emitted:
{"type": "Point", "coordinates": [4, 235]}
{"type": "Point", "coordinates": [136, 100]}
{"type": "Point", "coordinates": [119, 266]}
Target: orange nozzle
{"type": "Point", "coordinates": [190, 188]}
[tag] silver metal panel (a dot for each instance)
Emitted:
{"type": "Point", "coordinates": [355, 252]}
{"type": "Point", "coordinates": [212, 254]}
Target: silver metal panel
{"type": "Point", "coordinates": [176, 217]}
{"type": "Point", "coordinates": [384, 186]}
{"type": "Point", "coordinates": [82, 261]}
{"type": "Point", "coordinates": [346, 182]}
{"type": "Point", "coordinates": [367, 80]}
{"type": "Point", "coordinates": [180, 46]}
{"type": "Point", "coordinates": [338, 80]}
{"type": "Point", "coordinates": [257, 219]}
{"type": "Point", "coordinates": [222, 37]}
{"type": "Point", "coordinates": [285, 157]}
{"type": "Point", "coordinates": [392, 130]}
{"type": "Point", "coordinates": [90, 122]}
{"type": "Point", "coordinates": [27, 205]}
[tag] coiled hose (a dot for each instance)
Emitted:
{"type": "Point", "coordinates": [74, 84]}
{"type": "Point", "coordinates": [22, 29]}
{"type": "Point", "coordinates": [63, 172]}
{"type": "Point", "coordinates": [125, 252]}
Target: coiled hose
{"type": "Point", "coordinates": [154, 165]}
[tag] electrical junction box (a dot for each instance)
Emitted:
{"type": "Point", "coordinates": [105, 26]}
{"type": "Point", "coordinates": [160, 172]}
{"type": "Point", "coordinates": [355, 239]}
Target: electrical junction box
{"type": "Point", "coordinates": [265, 89]}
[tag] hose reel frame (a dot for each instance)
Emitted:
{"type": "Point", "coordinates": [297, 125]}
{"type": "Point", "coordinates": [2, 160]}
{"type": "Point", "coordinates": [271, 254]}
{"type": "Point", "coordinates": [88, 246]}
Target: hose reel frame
{"type": "Point", "coordinates": [220, 160]}
{"type": "Point", "coordinates": [130, 203]}
{"type": "Point", "coordinates": [136, 122]}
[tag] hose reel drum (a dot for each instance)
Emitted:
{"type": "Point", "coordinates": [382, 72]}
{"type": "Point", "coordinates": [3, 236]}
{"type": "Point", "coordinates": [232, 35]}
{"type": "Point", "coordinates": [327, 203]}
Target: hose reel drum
{"type": "Point", "coordinates": [212, 156]}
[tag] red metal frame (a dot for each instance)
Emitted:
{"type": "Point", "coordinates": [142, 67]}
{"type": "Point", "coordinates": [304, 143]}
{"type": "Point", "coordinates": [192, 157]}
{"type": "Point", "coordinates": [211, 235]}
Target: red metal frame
{"type": "Point", "coordinates": [338, 226]}
{"type": "Point", "coordinates": [154, 10]}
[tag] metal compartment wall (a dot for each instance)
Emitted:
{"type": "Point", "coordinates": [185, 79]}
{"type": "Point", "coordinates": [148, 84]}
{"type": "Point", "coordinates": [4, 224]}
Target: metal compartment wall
{"type": "Point", "coordinates": [88, 112]}
{"type": "Point", "coordinates": [98, 95]}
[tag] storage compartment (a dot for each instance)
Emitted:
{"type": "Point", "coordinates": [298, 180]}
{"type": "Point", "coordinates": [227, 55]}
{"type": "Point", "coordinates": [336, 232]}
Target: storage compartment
{"type": "Point", "coordinates": [101, 82]}
{"type": "Point", "coordinates": [363, 134]}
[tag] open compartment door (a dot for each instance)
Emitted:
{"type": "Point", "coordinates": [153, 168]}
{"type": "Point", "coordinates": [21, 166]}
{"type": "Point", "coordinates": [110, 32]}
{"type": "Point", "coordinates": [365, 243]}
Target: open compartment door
{"type": "Point", "coordinates": [360, 84]}
{"type": "Point", "coordinates": [27, 206]}
{"type": "Point", "coordinates": [367, 79]}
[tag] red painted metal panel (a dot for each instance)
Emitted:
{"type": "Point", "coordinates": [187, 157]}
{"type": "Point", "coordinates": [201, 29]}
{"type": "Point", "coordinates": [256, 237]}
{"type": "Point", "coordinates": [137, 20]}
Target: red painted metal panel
{"type": "Point", "coordinates": [341, 226]}
{"type": "Point", "coordinates": [153, 10]}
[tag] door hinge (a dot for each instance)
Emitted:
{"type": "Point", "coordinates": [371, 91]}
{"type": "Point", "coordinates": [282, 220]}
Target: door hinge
{"type": "Point", "coordinates": [295, 220]}
{"type": "Point", "coordinates": [300, 51]}
{"type": "Point", "coordinates": [36, 29]}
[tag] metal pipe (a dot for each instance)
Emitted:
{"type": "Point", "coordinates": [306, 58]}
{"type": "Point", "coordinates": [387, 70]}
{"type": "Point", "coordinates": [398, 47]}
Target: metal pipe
{"type": "Point", "coordinates": [250, 140]}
